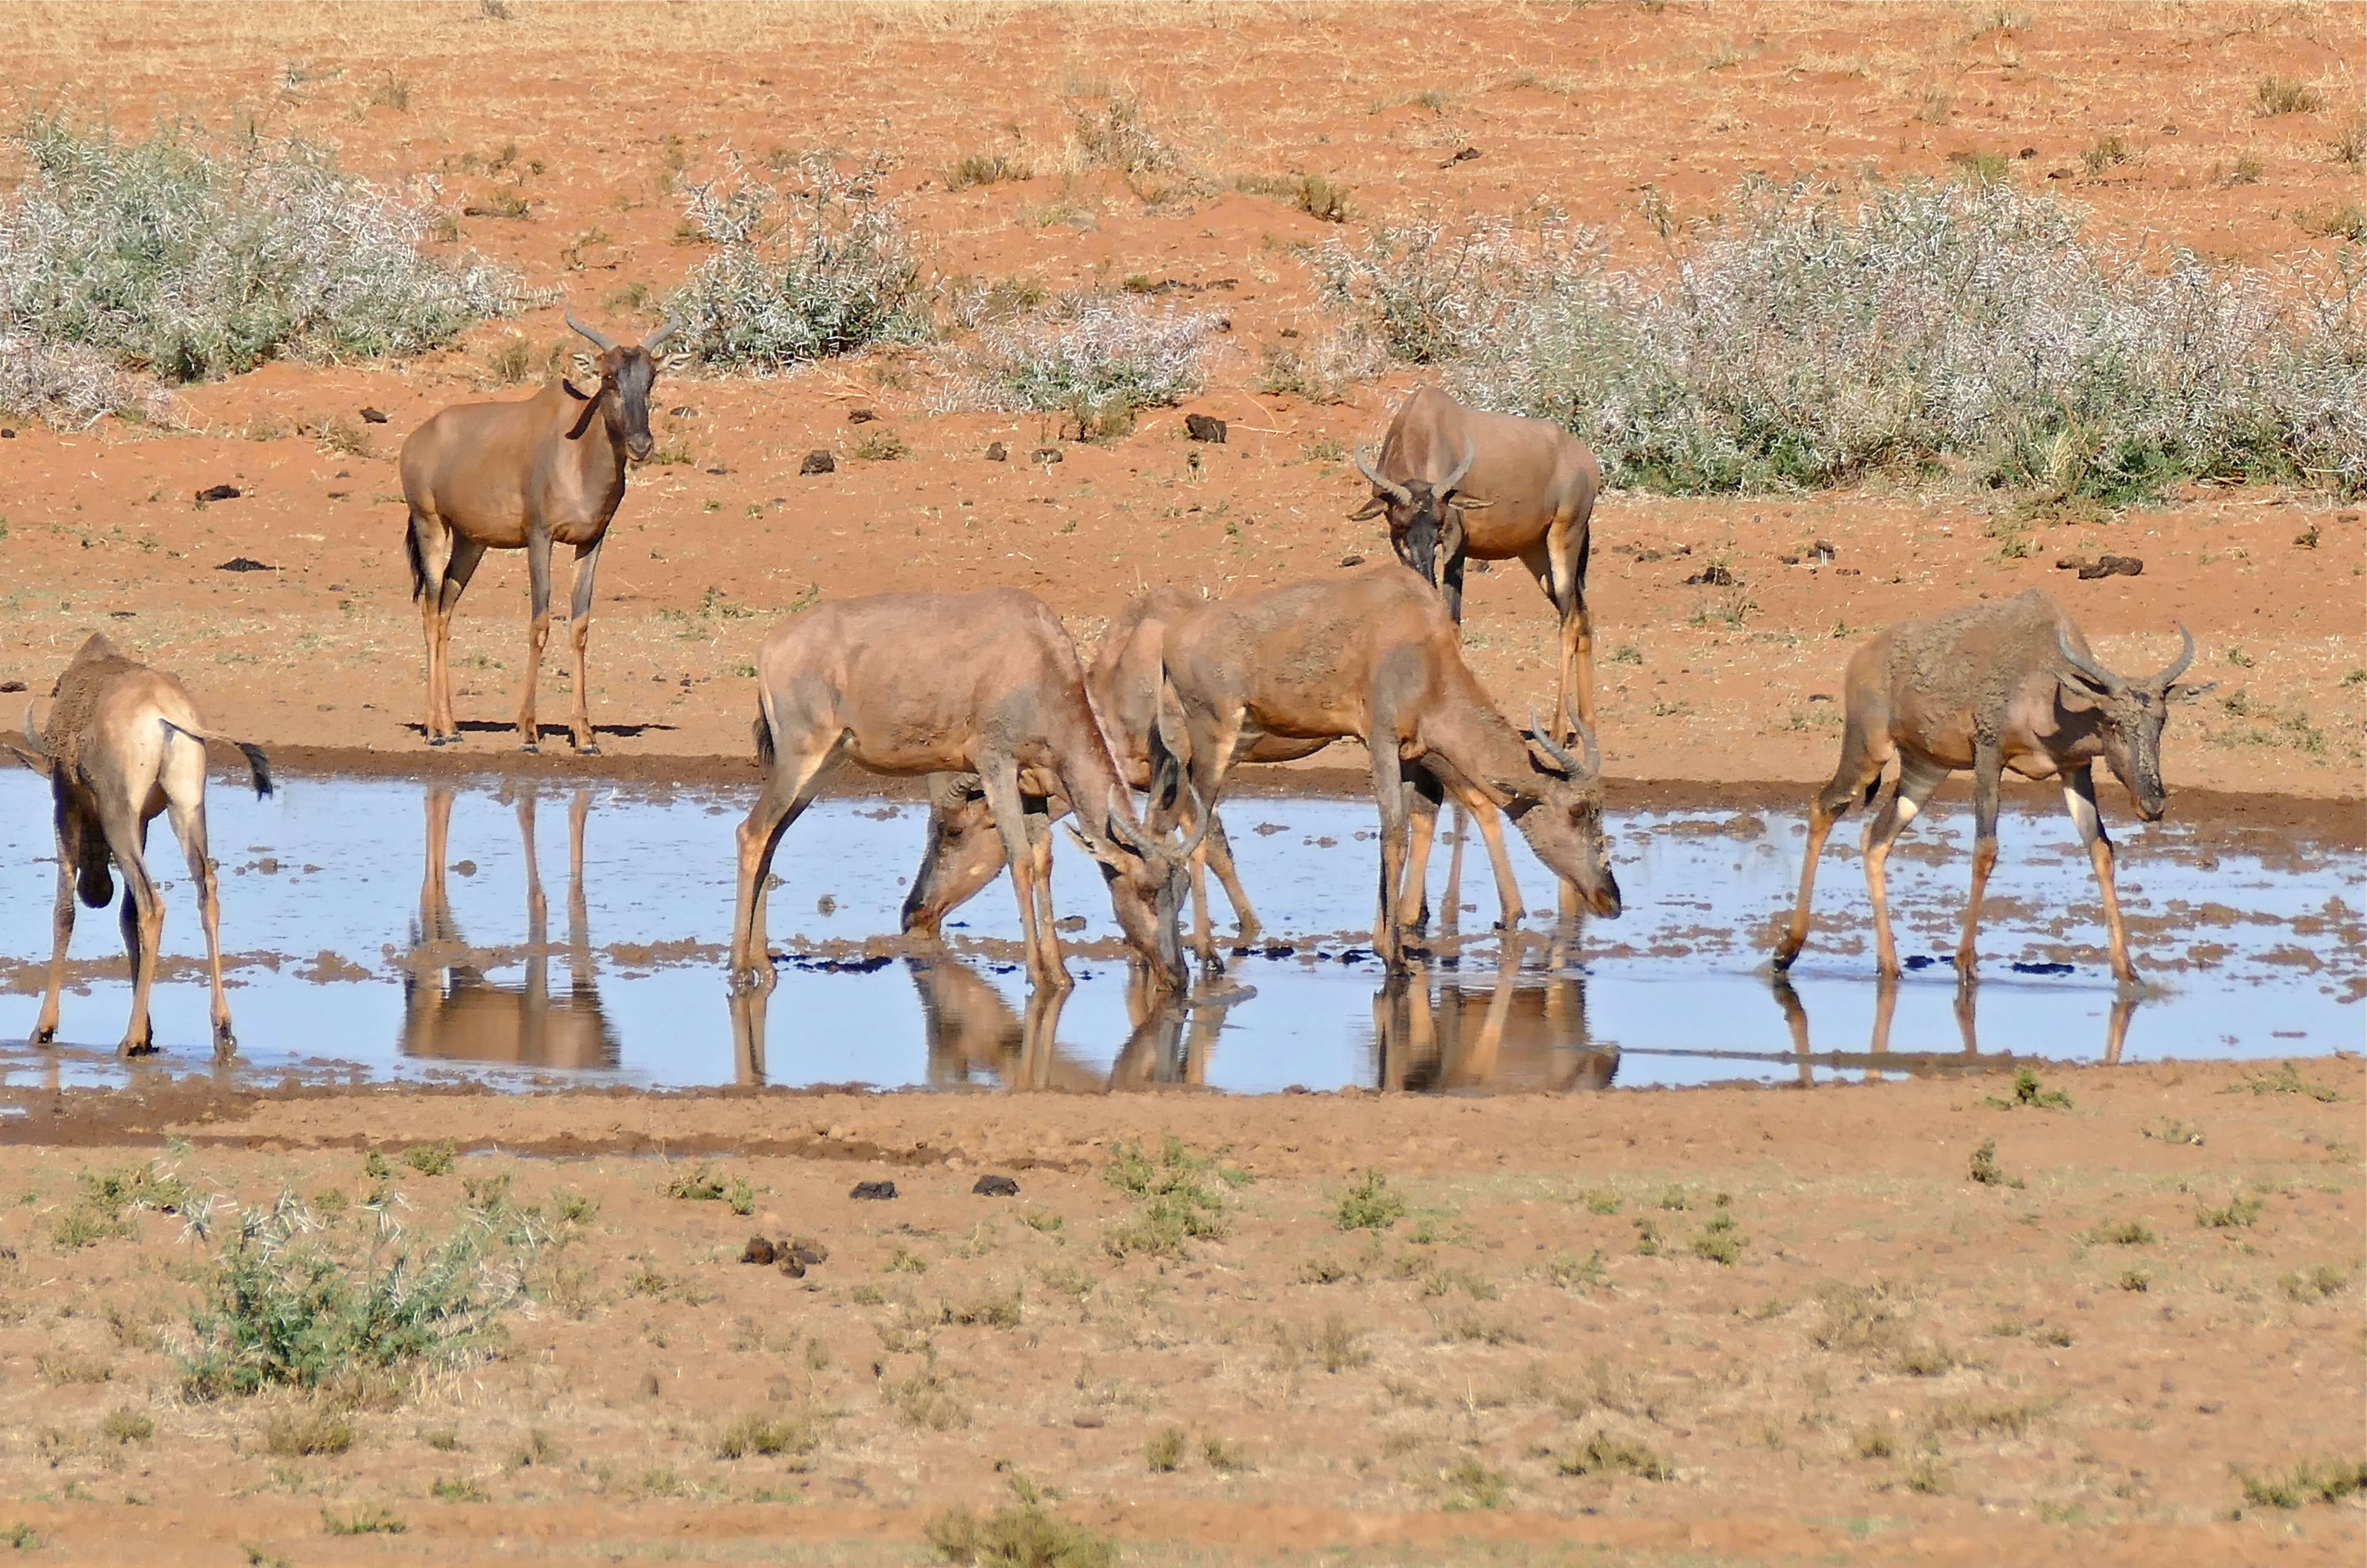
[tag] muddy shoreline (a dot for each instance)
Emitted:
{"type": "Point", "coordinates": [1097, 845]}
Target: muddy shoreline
{"type": "Point", "coordinates": [2337, 822]}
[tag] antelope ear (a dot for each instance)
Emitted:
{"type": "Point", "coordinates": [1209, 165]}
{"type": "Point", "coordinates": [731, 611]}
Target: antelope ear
{"type": "Point", "coordinates": [2188, 694]}
{"type": "Point", "coordinates": [1516, 790]}
{"type": "Point", "coordinates": [1547, 762]}
{"type": "Point", "coordinates": [2084, 694]}
{"type": "Point", "coordinates": [1370, 510]}
{"type": "Point", "coordinates": [1108, 854]}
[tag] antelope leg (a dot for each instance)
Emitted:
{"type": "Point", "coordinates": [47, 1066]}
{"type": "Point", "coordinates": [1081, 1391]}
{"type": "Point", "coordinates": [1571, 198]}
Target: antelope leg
{"type": "Point", "coordinates": [144, 921]}
{"type": "Point", "coordinates": [2079, 798]}
{"type": "Point", "coordinates": [63, 920]}
{"type": "Point", "coordinates": [786, 796]}
{"type": "Point", "coordinates": [1989, 766]}
{"type": "Point", "coordinates": [187, 801]}
{"type": "Point", "coordinates": [1389, 793]}
{"type": "Point", "coordinates": [1916, 780]}
{"type": "Point", "coordinates": [579, 627]}
{"type": "Point", "coordinates": [538, 566]}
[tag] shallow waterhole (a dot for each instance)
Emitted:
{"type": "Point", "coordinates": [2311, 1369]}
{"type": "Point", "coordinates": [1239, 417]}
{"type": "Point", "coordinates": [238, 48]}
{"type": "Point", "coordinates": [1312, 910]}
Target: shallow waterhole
{"type": "Point", "coordinates": [344, 966]}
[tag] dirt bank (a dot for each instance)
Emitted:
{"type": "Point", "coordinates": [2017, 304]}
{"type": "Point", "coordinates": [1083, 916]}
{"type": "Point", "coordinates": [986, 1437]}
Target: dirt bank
{"type": "Point", "coordinates": [1738, 1325]}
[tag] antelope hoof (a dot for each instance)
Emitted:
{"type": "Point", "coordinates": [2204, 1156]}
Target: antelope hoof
{"type": "Point", "coordinates": [225, 1043]}
{"type": "Point", "coordinates": [46, 1034]}
{"type": "Point", "coordinates": [1248, 933]}
{"type": "Point", "coordinates": [531, 747]}
{"type": "Point", "coordinates": [130, 1047]}
{"type": "Point", "coordinates": [587, 748]}
{"type": "Point", "coordinates": [442, 740]}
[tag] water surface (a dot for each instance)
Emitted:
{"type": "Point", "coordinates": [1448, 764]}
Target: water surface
{"type": "Point", "coordinates": [350, 956]}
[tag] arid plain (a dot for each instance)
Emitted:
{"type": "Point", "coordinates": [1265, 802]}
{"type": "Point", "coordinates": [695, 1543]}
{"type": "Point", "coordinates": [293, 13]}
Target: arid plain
{"type": "Point", "coordinates": [1719, 1325]}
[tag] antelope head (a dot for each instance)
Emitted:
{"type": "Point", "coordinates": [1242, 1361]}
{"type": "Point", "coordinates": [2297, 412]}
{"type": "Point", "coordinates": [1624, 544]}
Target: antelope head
{"type": "Point", "coordinates": [1420, 513]}
{"type": "Point", "coordinates": [628, 371]}
{"type": "Point", "coordinates": [1147, 880]}
{"type": "Point", "coordinates": [1557, 805]}
{"type": "Point", "coordinates": [2130, 713]}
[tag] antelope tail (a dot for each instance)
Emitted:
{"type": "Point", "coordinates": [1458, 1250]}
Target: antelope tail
{"type": "Point", "coordinates": [258, 766]}
{"type": "Point", "coordinates": [762, 729]}
{"type": "Point", "coordinates": [411, 547]}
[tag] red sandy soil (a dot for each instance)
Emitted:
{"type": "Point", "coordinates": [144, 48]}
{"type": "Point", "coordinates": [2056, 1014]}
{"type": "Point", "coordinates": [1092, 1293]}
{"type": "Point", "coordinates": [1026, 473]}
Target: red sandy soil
{"type": "Point", "coordinates": [1589, 109]}
{"type": "Point", "coordinates": [1899, 1364]}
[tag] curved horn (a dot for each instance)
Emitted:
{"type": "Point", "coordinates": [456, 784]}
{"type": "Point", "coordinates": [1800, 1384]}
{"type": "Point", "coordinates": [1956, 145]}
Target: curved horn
{"type": "Point", "coordinates": [649, 344]}
{"type": "Point", "coordinates": [1470, 455]}
{"type": "Point", "coordinates": [33, 735]}
{"type": "Point", "coordinates": [2176, 666]}
{"type": "Point", "coordinates": [1118, 826]}
{"type": "Point", "coordinates": [1551, 748]}
{"type": "Point", "coordinates": [1593, 751]}
{"type": "Point", "coordinates": [600, 340]}
{"type": "Point", "coordinates": [1388, 487]}
{"type": "Point", "coordinates": [2097, 676]}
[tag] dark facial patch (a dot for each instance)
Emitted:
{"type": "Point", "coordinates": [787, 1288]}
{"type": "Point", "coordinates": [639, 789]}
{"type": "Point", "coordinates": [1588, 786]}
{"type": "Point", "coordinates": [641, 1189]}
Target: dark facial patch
{"type": "Point", "coordinates": [2134, 719]}
{"type": "Point", "coordinates": [633, 376]}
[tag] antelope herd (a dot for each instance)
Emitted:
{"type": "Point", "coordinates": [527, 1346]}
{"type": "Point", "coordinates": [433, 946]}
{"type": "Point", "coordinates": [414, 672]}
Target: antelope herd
{"type": "Point", "coordinates": [985, 695]}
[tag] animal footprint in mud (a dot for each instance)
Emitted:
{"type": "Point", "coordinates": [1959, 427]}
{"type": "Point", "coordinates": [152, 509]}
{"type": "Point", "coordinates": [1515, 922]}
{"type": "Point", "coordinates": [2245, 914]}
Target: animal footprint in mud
{"type": "Point", "coordinates": [873, 1189]}
{"type": "Point", "coordinates": [996, 1187]}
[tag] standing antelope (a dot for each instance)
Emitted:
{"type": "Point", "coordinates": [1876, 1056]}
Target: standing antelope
{"type": "Point", "coordinates": [122, 743]}
{"type": "Point", "coordinates": [963, 854]}
{"type": "Point", "coordinates": [1374, 655]}
{"type": "Point", "coordinates": [1467, 484]}
{"type": "Point", "coordinates": [905, 684]}
{"type": "Point", "coordinates": [1990, 687]}
{"type": "Point", "coordinates": [523, 476]}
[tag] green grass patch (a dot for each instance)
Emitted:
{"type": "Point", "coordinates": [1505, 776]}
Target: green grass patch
{"type": "Point", "coordinates": [280, 1306]}
{"type": "Point", "coordinates": [2237, 1212]}
{"type": "Point", "coordinates": [2310, 1481]}
{"type": "Point", "coordinates": [1181, 1198]}
{"type": "Point", "coordinates": [2028, 1091]}
{"type": "Point", "coordinates": [1368, 1204]}
{"type": "Point", "coordinates": [372, 1519]}
{"type": "Point", "coordinates": [2286, 1079]}
{"type": "Point", "coordinates": [1024, 1533]}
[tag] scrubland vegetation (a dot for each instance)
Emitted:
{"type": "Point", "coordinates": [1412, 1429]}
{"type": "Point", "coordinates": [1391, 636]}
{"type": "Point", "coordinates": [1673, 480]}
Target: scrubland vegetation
{"type": "Point", "coordinates": [182, 257]}
{"type": "Point", "coordinates": [1969, 332]}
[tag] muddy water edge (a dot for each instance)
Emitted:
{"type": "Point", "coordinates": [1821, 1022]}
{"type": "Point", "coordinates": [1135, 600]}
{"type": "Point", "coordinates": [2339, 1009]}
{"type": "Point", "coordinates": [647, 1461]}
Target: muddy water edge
{"type": "Point", "coordinates": [522, 931]}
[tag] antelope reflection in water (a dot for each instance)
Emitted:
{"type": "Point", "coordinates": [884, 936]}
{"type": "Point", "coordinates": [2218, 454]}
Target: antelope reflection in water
{"type": "Point", "coordinates": [974, 1036]}
{"type": "Point", "coordinates": [1878, 1054]}
{"type": "Point", "coordinates": [1523, 1031]}
{"type": "Point", "coordinates": [452, 1012]}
